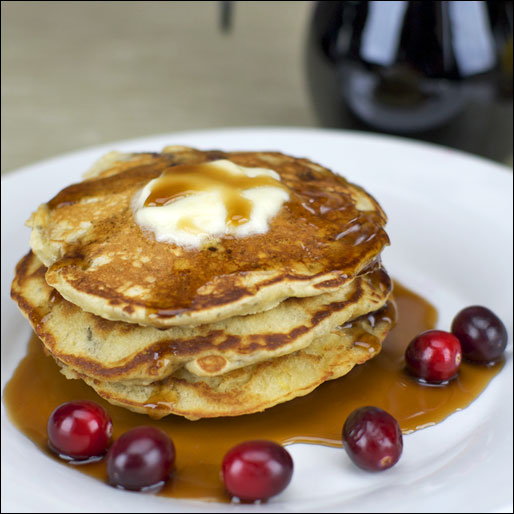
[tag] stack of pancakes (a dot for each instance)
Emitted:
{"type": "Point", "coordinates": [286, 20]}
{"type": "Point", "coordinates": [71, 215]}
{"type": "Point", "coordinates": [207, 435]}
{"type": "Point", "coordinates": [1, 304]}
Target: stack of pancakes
{"type": "Point", "coordinates": [233, 327]}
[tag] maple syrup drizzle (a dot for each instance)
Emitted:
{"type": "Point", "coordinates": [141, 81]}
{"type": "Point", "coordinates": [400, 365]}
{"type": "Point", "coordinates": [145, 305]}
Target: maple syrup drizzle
{"type": "Point", "coordinates": [186, 179]}
{"type": "Point", "coordinates": [37, 387]}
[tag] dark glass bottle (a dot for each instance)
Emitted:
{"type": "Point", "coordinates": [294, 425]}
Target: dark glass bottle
{"type": "Point", "coordinates": [439, 71]}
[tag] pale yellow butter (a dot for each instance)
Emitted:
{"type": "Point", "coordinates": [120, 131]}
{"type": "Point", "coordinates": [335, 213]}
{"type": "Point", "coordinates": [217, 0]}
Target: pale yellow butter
{"type": "Point", "coordinates": [198, 216]}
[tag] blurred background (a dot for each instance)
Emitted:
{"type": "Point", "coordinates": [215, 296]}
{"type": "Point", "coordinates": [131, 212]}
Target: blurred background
{"type": "Point", "coordinates": [77, 74]}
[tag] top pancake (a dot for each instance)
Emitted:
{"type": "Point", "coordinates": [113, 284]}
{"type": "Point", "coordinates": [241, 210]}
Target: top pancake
{"type": "Point", "coordinates": [99, 259]}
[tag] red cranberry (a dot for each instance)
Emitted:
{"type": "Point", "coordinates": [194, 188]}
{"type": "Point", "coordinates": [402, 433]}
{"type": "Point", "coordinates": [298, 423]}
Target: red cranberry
{"type": "Point", "coordinates": [434, 356]}
{"type": "Point", "coordinates": [256, 470]}
{"type": "Point", "coordinates": [79, 430]}
{"type": "Point", "coordinates": [372, 439]}
{"type": "Point", "coordinates": [141, 458]}
{"type": "Point", "coordinates": [481, 333]}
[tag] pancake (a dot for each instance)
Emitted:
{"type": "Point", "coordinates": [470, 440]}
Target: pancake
{"type": "Point", "coordinates": [227, 325]}
{"type": "Point", "coordinates": [99, 259]}
{"type": "Point", "coordinates": [115, 351]}
{"type": "Point", "coordinates": [257, 387]}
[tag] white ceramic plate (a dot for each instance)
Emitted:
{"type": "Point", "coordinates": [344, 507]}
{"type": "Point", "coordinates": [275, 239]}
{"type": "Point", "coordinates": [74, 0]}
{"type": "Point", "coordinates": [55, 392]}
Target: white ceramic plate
{"type": "Point", "coordinates": [450, 222]}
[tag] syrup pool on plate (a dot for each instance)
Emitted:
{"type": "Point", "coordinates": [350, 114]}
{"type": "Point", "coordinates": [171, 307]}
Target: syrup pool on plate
{"type": "Point", "coordinates": [37, 387]}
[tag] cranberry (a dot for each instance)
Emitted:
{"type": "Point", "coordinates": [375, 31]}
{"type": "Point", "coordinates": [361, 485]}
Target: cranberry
{"type": "Point", "coordinates": [256, 470]}
{"type": "Point", "coordinates": [434, 356]}
{"type": "Point", "coordinates": [79, 430]}
{"type": "Point", "coordinates": [481, 333]}
{"type": "Point", "coordinates": [141, 458]}
{"type": "Point", "coordinates": [372, 439]}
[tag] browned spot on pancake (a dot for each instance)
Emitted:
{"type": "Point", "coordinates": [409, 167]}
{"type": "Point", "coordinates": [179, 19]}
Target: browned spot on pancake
{"type": "Point", "coordinates": [214, 155]}
{"type": "Point", "coordinates": [212, 363]}
{"type": "Point", "coordinates": [23, 269]}
{"type": "Point", "coordinates": [25, 273]}
{"type": "Point", "coordinates": [107, 185]}
{"type": "Point", "coordinates": [335, 282]}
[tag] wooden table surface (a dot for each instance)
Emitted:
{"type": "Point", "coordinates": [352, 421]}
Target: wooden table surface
{"type": "Point", "coordinates": [78, 74]}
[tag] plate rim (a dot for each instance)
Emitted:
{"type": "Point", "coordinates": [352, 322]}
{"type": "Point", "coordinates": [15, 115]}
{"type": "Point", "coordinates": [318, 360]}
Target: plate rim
{"type": "Point", "coordinates": [261, 129]}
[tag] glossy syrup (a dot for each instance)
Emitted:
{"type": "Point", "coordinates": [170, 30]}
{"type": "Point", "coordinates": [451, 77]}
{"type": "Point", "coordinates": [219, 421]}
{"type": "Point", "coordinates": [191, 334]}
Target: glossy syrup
{"type": "Point", "coordinates": [183, 180]}
{"type": "Point", "coordinates": [37, 387]}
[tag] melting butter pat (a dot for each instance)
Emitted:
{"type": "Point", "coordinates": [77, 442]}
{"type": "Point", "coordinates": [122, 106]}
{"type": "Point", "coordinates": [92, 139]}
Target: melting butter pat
{"type": "Point", "coordinates": [189, 204]}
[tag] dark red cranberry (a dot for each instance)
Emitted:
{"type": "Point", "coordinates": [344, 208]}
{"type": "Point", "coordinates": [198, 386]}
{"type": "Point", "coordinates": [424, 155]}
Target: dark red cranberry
{"type": "Point", "coordinates": [481, 333]}
{"type": "Point", "coordinates": [79, 430]}
{"type": "Point", "coordinates": [434, 356]}
{"type": "Point", "coordinates": [256, 470]}
{"type": "Point", "coordinates": [372, 439]}
{"type": "Point", "coordinates": [141, 458]}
